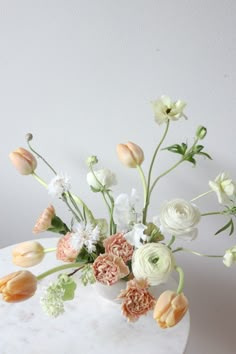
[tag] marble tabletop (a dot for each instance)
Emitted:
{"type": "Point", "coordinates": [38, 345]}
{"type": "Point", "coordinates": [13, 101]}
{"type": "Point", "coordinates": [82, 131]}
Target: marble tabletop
{"type": "Point", "coordinates": [91, 324]}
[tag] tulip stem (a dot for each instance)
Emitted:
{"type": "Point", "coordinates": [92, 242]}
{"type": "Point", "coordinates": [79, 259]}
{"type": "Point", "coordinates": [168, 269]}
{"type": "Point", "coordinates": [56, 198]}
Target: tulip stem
{"type": "Point", "coordinates": [201, 195]}
{"type": "Point", "coordinates": [58, 269]}
{"type": "Point", "coordinates": [196, 253]}
{"type": "Point", "coordinates": [41, 157]}
{"type": "Point", "coordinates": [144, 182]}
{"type": "Point", "coordinates": [47, 250]}
{"type": "Point", "coordinates": [181, 279]}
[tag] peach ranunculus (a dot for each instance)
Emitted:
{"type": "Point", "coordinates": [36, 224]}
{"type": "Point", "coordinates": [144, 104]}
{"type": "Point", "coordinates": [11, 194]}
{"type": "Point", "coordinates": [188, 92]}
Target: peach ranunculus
{"type": "Point", "coordinates": [65, 252]}
{"type": "Point", "coordinates": [28, 254]}
{"type": "Point", "coordinates": [23, 160]}
{"type": "Point", "coordinates": [170, 308]}
{"type": "Point", "coordinates": [45, 220]}
{"type": "Point", "coordinates": [130, 154]}
{"type": "Point", "coordinates": [108, 269]}
{"type": "Point", "coordinates": [117, 245]}
{"type": "Point", "coordinates": [18, 286]}
{"type": "Point", "coordinates": [137, 300]}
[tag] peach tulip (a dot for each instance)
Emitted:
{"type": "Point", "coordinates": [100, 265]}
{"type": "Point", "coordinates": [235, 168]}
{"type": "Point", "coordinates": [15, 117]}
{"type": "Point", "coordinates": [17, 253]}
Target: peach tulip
{"type": "Point", "coordinates": [170, 308]}
{"type": "Point", "coordinates": [18, 286]}
{"type": "Point", "coordinates": [130, 154]}
{"type": "Point", "coordinates": [28, 254]}
{"type": "Point", "coordinates": [23, 160]}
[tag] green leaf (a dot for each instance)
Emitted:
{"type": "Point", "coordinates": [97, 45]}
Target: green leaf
{"type": "Point", "coordinates": [206, 155]}
{"type": "Point", "coordinates": [69, 286]}
{"type": "Point", "coordinates": [58, 226]}
{"type": "Point", "coordinates": [230, 225]}
{"type": "Point", "coordinates": [84, 256]}
{"type": "Point", "coordinates": [176, 148]}
{"type": "Point", "coordinates": [190, 159]}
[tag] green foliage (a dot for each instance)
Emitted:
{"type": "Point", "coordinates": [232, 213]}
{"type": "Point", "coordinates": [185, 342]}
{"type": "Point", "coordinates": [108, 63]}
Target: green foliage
{"type": "Point", "coordinates": [154, 233]}
{"type": "Point", "coordinates": [229, 225]}
{"type": "Point", "coordinates": [68, 285]}
{"type": "Point", "coordinates": [87, 275]}
{"type": "Point", "coordinates": [58, 226]}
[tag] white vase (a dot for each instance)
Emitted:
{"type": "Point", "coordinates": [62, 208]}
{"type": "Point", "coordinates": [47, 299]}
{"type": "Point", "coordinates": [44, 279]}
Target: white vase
{"type": "Point", "coordinates": [111, 292]}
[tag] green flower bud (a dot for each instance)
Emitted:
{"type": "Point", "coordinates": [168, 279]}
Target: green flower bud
{"type": "Point", "coordinates": [201, 132]}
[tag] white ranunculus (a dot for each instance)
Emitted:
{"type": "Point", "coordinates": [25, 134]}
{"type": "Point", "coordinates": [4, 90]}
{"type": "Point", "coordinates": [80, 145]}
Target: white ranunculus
{"type": "Point", "coordinates": [104, 176]}
{"type": "Point", "coordinates": [224, 188]}
{"type": "Point", "coordinates": [230, 257]}
{"type": "Point", "coordinates": [179, 218]}
{"type": "Point", "coordinates": [154, 262]}
{"type": "Point", "coordinates": [124, 211]}
{"type": "Point", "coordinates": [165, 109]}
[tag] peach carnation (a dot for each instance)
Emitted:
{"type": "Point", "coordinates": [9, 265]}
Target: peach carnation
{"type": "Point", "coordinates": [117, 245]}
{"type": "Point", "coordinates": [65, 251]}
{"type": "Point", "coordinates": [108, 269]}
{"type": "Point", "coordinates": [137, 300]}
{"type": "Point", "coordinates": [45, 220]}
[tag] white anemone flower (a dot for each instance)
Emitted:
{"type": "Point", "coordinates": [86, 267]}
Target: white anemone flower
{"type": "Point", "coordinates": [58, 185]}
{"type": "Point", "coordinates": [85, 235]}
{"type": "Point", "coordinates": [165, 109]}
{"type": "Point", "coordinates": [224, 187]}
{"type": "Point", "coordinates": [124, 211]}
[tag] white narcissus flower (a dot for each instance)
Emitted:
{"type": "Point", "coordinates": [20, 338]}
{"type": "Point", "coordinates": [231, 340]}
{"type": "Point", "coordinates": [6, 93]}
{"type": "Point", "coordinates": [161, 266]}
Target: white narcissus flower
{"type": "Point", "coordinates": [165, 109]}
{"type": "Point", "coordinates": [59, 184]}
{"type": "Point", "coordinates": [104, 176]}
{"type": "Point", "coordinates": [230, 257]}
{"type": "Point", "coordinates": [124, 211]}
{"type": "Point", "coordinates": [179, 218]}
{"type": "Point", "coordinates": [154, 262]}
{"type": "Point", "coordinates": [136, 235]}
{"type": "Point", "coordinates": [224, 188]}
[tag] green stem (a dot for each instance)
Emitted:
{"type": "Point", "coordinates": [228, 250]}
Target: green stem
{"type": "Point", "coordinates": [58, 269]}
{"type": "Point", "coordinates": [144, 182]}
{"type": "Point", "coordinates": [75, 205]}
{"type": "Point", "coordinates": [212, 213]}
{"type": "Point", "coordinates": [41, 157]}
{"type": "Point", "coordinates": [64, 198]}
{"type": "Point", "coordinates": [47, 250]}
{"type": "Point", "coordinates": [164, 173]}
{"type": "Point", "coordinates": [181, 279]}
{"type": "Point", "coordinates": [171, 241]}
{"type": "Point", "coordinates": [196, 253]}
{"type": "Point", "coordinates": [201, 195]}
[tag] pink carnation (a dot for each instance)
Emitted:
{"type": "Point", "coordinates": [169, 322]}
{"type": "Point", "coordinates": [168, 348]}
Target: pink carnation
{"type": "Point", "coordinates": [117, 245]}
{"type": "Point", "coordinates": [108, 269]}
{"type": "Point", "coordinates": [65, 251]}
{"type": "Point", "coordinates": [137, 300]}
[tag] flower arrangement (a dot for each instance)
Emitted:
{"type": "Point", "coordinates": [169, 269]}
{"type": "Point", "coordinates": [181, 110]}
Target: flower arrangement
{"type": "Point", "coordinates": [128, 246]}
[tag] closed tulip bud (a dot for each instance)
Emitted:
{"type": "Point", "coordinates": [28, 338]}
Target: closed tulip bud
{"type": "Point", "coordinates": [44, 221]}
{"type": "Point", "coordinates": [23, 160]}
{"type": "Point", "coordinates": [28, 254]}
{"type": "Point", "coordinates": [130, 154]}
{"type": "Point", "coordinates": [18, 286]}
{"type": "Point", "coordinates": [170, 308]}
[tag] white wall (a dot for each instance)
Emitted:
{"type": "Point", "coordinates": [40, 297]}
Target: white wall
{"type": "Point", "coordinates": [80, 76]}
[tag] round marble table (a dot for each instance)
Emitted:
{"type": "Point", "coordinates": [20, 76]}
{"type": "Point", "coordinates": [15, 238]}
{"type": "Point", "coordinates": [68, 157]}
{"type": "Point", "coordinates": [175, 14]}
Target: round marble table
{"type": "Point", "coordinates": [91, 324]}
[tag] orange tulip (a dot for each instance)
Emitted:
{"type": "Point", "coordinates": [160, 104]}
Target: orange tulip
{"type": "Point", "coordinates": [130, 154]}
{"type": "Point", "coordinates": [28, 254]}
{"type": "Point", "coordinates": [23, 160]}
{"type": "Point", "coordinates": [18, 286]}
{"type": "Point", "coordinates": [170, 308]}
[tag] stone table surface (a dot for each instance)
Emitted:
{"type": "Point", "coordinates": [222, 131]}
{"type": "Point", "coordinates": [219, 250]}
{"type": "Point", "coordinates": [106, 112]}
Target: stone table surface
{"type": "Point", "coordinates": [91, 324]}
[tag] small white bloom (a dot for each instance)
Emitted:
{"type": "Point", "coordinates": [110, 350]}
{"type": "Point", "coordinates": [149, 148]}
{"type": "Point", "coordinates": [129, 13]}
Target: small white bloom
{"type": "Point", "coordinates": [230, 257]}
{"type": "Point", "coordinates": [154, 262]}
{"type": "Point", "coordinates": [52, 300]}
{"type": "Point", "coordinates": [136, 235]}
{"type": "Point", "coordinates": [59, 185]}
{"type": "Point", "coordinates": [104, 176]}
{"type": "Point", "coordinates": [165, 109]}
{"type": "Point", "coordinates": [179, 218]}
{"type": "Point", "coordinates": [224, 188]}
{"type": "Point", "coordinates": [124, 211]}
{"type": "Point", "coordinates": [85, 235]}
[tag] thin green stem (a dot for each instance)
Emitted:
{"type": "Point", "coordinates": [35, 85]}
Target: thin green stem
{"type": "Point", "coordinates": [75, 205]}
{"type": "Point", "coordinates": [42, 158]}
{"type": "Point", "coordinates": [181, 279]}
{"type": "Point", "coordinates": [172, 240]}
{"type": "Point", "coordinates": [64, 198]}
{"type": "Point", "coordinates": [144, 183]}
{"type": "Point", "coordinates": [47, 250]}
{"type": "Point", "coordinates": [201, 195]}
{"type": "Point", "coordinates": [212, 213]}
{"type": "Point", "coordinates": [197, 253]}
{"type": "Point", "coordinates": [58, 269]}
